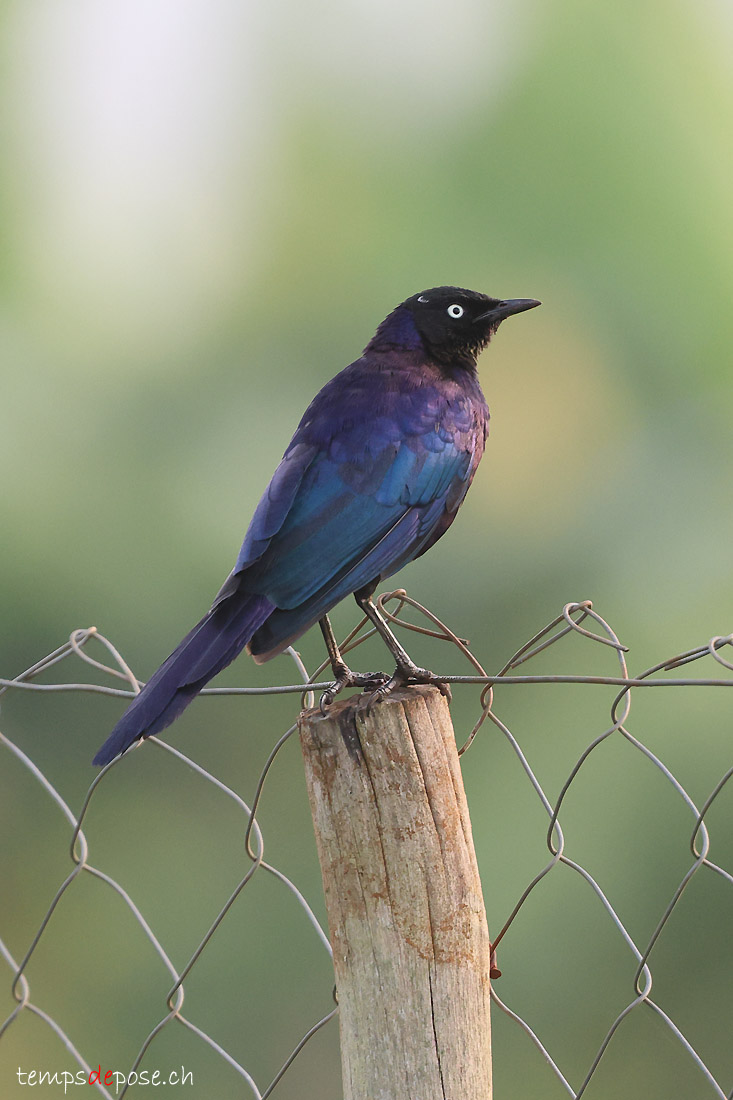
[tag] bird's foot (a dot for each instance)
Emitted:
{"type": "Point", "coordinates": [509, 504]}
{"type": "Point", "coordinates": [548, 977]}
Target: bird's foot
{"type": "Point", "coordinates": [345, 678]}
{"type": "Point", "coordinates": [406, 674]}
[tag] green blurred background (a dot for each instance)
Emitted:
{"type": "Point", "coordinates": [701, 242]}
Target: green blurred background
{"type": "Point", "coordinates": [205, 210]}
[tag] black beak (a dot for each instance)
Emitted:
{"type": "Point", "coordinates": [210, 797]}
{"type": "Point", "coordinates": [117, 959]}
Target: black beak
{"type": "Point", "coordinates": [507, 308]}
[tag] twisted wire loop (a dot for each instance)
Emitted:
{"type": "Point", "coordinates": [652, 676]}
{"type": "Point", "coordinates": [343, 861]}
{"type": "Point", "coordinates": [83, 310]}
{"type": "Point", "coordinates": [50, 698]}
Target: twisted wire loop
{"type": "Point", "coordinates": [578, 619]}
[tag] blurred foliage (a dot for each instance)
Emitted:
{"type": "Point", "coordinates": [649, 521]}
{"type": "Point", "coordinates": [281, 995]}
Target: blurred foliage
{"type": "Point", "coordinates": [205, 210]}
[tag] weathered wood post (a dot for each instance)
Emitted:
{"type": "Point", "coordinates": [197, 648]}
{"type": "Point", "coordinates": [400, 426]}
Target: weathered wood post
{"type": "Point", "coordinates": [405, 909]}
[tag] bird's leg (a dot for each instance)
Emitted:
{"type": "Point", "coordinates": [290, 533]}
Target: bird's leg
{"type": "Point", "coordinates": [343, 676]}
{"type": "Point", "coordinates": [406, 672]}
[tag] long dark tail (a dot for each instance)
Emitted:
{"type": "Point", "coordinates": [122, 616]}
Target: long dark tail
{"type": "Point", "coordinates": [212, 644]}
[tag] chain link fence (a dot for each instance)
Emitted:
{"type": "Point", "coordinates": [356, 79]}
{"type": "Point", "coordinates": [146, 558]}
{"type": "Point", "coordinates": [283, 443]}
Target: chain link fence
{"type": "Point", "coordinates": [693, 1030]}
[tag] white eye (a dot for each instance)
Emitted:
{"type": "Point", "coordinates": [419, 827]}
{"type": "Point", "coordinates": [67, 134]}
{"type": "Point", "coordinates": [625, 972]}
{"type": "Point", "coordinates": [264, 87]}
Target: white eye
{"type": "Point", "coordinates": [422, 298]}
{"type": "Point", "coordinates": [455, 311]}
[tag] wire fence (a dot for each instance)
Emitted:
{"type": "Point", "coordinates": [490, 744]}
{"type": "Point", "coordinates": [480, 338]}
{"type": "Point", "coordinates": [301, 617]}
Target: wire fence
{"type": "Point", "coordinates": [579, 620]}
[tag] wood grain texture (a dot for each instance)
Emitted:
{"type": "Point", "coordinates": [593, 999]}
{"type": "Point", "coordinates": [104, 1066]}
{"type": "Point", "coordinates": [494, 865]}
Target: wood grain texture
{"type": "Point", "coordinates": [405, 908]}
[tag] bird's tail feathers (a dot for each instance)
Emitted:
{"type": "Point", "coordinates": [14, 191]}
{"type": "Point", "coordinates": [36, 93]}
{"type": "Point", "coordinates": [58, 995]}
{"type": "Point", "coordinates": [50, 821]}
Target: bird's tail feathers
{"type": "Point", "coordinates": [212, 644]}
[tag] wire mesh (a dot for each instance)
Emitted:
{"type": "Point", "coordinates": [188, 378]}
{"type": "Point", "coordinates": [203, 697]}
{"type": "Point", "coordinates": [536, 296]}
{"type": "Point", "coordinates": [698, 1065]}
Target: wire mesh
{"type": "Point", "coordinates": [579, 620]}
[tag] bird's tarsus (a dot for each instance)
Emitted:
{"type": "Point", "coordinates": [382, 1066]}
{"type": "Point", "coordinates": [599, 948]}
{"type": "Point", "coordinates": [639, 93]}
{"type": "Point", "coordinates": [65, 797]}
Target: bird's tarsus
{"type": "Point", "coordinates": [343, 676]}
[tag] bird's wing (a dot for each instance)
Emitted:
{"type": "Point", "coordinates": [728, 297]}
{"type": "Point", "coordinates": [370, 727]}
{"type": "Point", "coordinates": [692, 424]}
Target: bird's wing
{"type": "Point", "coordinates": [358, 503]}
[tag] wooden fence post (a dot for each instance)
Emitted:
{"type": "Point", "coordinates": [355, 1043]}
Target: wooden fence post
{"type": "Point", "coordinates": [405, 909]}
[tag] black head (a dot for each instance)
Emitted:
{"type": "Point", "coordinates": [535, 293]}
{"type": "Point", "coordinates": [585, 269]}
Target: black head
{"type": "Point", "coordinates": [454, 322]}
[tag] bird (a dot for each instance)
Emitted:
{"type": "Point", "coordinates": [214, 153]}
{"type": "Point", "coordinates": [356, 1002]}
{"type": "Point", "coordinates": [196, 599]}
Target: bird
{"type": "Point", "coordinates": [374, 475]}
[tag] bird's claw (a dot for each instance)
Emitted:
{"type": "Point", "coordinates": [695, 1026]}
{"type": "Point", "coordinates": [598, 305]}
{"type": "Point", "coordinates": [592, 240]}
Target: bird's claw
{"type": "Point", "coordinates": [345, 679]}
{"type": "Point", "coordinates": [404, 675]}
{"type": "Point", "coordinates": [378, 684]}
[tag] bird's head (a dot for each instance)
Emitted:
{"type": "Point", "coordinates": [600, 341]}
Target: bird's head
{"type": "Point", "coordinates": [451, 323]}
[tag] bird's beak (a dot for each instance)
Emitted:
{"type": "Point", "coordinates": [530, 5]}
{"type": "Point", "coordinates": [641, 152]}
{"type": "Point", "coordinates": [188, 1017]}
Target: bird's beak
{"type": "Point", "coordinates": [507, 308]}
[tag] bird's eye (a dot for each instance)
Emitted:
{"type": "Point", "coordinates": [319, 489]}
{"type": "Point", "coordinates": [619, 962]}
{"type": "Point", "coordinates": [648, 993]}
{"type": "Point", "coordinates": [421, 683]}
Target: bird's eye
{"type": "Point", "coordinates": [422, 298]}
{"type": "Point", "coordinates": [455, 311]}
